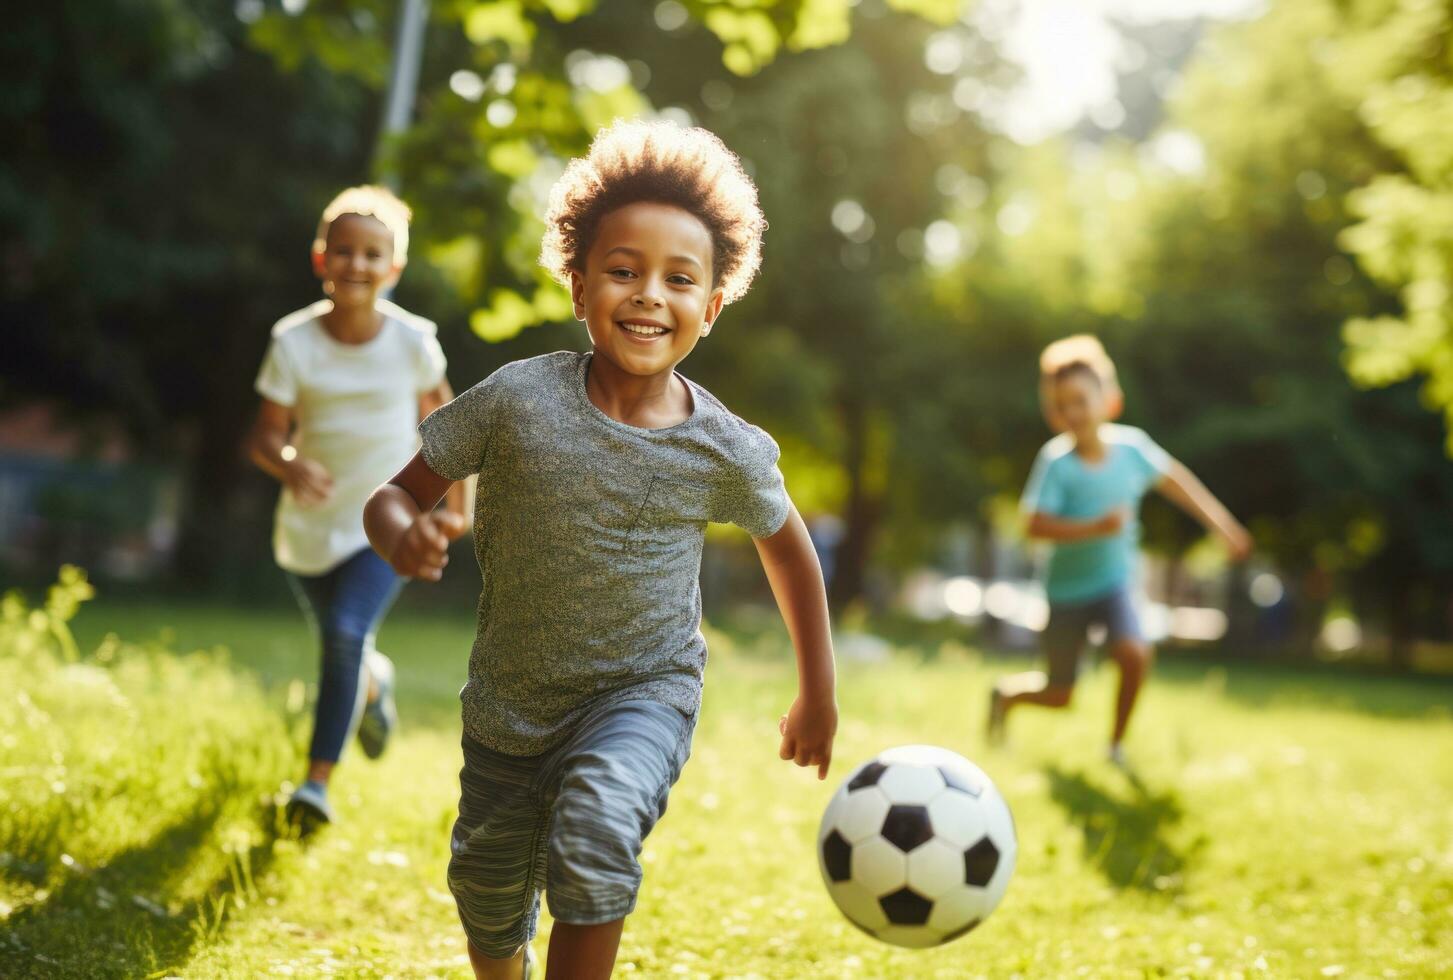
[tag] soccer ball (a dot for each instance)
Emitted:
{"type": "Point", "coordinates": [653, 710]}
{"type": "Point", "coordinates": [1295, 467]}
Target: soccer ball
{"type": "Point", "coordinates": [917, 846]}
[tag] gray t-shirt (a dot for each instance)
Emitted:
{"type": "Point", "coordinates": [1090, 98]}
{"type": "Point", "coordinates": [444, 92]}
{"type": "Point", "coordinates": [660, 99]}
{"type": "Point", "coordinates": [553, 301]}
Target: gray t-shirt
{"type": "Point", "coordinates": [588, 533]}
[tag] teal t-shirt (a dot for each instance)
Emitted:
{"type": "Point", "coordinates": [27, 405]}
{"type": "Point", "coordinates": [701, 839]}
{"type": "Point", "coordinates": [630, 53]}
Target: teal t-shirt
{"type": "Point", "coordinates": [1062, 484]}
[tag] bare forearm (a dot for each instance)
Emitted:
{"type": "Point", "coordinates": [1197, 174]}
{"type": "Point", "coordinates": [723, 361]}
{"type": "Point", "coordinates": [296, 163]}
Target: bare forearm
{"type": "Point", "coordinates": [795, 576]}
{"type": "Point", "coordinates": [387, 516]}
{"type": "Point", "coordinates": [1186, 491]}
{"type": "Point", "coordinates": [1066, 529]}
{"type": "Point", "coordinates": [798, 588]}
{"type": "Point", "coordinates": [265, 449]}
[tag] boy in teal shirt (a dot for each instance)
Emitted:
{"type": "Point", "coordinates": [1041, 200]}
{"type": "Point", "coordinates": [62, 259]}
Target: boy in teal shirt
{"type": "Point", "coordinates": [1083, 495]}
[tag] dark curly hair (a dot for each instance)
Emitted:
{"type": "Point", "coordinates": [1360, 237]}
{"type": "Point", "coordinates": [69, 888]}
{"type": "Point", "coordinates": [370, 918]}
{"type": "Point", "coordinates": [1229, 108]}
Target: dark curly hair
{"type": "Point", "coordinates": [663, 163]}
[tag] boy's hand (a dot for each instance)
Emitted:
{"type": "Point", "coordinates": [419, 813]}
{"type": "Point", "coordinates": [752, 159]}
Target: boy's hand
{"type": "Point", "coordinates": [423, 551]}
{"type": "Point", "coordinates": [1238, 542]}
{"type": "Point", "coordinates": [309, 480]}
{"type": "Point", "coordinates": [807, 732]}
{"type": "Point", "coordinates": [1116, 519]}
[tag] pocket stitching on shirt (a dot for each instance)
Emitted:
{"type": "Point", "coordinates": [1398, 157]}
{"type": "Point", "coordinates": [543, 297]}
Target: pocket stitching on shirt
{"type": "Point", "coordinates": [656, 486]}
{"type": "Point", "coordinates": [635, 524]}
{"type": "Point", "coordinates": [686, 486]}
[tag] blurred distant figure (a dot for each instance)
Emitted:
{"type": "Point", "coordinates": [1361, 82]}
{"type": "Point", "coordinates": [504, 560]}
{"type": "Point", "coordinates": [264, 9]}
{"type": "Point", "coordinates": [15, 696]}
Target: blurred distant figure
{"type": "Point", "coordinates": [826, 531]}
{"type": "Point", "coordinates": [1082, 348]}
{"type": "Point", "coordinates": [1083, 496]}
{"type": "Point", "coordinates": [344, 382]}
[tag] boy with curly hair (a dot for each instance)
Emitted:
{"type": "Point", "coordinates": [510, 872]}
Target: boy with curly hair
{"type": "Point", "coordinates": [600, 470]}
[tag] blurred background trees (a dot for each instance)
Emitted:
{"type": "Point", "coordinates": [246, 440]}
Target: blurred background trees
{"type": "Point", "coordinates": [1257, 222]}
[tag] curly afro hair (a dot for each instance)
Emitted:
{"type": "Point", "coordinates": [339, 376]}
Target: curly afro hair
{"type": "Point", "coordinates": [663, 163]}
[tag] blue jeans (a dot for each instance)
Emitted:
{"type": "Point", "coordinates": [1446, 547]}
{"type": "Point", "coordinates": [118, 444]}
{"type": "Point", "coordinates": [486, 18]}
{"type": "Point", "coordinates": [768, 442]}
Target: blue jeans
{"type": "Point", "coordinates": [344, 605]}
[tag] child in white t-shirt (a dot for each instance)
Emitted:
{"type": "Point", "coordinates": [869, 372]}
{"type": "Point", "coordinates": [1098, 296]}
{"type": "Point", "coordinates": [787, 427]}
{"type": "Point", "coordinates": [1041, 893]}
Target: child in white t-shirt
{"type": "Point", "coordinates": [344, 383]}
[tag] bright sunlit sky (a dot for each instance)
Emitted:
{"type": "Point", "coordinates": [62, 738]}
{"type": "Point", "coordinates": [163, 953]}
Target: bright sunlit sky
{"type": "Point", "coordinates": [1068, 49]}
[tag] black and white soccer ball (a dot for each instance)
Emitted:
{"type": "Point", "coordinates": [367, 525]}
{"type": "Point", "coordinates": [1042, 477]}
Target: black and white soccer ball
{"type": "Point", "coordinates": [917, 846]}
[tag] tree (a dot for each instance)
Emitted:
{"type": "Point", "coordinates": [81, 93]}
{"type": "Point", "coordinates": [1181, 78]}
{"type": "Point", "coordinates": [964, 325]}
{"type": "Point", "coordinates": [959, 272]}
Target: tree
{"type": "Point", "coordinates": [142, 232]}
{"type": "Point", "coordinates": [166, 164]}
{"type": "Point", "coordinates": [478, 162]}
{"type": "Point", "coordinates": [1397, 75]}
{"type": "Point", "coordinates": [1233, 341]}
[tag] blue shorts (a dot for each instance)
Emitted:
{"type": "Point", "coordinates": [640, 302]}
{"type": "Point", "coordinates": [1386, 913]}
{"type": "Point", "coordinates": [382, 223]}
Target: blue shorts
{"type": "Point", "coordinates": [571, 821]}
{"type": "Point", "coordinates": [1069, 622]}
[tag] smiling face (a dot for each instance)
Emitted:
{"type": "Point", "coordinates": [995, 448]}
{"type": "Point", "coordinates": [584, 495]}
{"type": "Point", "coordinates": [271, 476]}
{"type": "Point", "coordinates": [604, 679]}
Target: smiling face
{"type": "Point", "coordinates": [646, 293]}
{"type": "Point", "coordinates": [358, 261]}
{"type": "Point", "coordinates": [1079, 400]}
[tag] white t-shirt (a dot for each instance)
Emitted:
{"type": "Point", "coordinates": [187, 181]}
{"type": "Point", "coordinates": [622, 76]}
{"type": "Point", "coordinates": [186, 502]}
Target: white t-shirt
{"type": "Point", "coordinates": [357, 408]}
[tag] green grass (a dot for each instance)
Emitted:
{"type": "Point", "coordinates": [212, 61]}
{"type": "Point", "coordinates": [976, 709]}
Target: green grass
{"type": "Point", "coordinates": [1283, 823]}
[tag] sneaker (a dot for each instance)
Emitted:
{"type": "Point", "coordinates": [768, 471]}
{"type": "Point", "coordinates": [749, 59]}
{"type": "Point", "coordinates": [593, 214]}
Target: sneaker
{"type": "Point", "coordinates": [381, 715]}
{"type": "Point", "coordinates": [1115, 755]}
{"type": "Point", "coordinates": [997, 709]}
{"type": "Point", "coordinates": [308, 807]}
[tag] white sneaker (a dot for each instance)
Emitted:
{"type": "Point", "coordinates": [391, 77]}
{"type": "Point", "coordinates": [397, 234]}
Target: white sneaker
{"type": "Point", "coordinates": [308, 808]}
{"type": "Point", "coordinates": [998, 708]}
{"type": "Point", "coordinates": [1115, 755]}
{"type": "Point", "coordinates": [381, 716]}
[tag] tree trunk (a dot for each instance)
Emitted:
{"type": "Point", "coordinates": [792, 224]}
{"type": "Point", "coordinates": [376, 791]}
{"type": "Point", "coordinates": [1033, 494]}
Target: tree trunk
{"type": "Point", "coordinates": [1400, 629]}
{"type": "Point", "coordinates": [851, 559]}
{"type": "Point", "coordinates": [208, 550]}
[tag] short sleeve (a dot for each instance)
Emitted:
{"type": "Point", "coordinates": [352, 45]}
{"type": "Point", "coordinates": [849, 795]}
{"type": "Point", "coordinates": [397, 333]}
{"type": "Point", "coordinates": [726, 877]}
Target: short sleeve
{"type": "Point", "coordinates": [431, 364]}
{"type": "Point", "coordinates": [456, 435]}
{"type": "Point", "coordinates": [277, 379]}
{"type": "Point", "coordinates": [754, 496]}
{"type": "Point", "coordinates": [1044, 493]}
{"type": "Point", "coordinates": [1153, 461]}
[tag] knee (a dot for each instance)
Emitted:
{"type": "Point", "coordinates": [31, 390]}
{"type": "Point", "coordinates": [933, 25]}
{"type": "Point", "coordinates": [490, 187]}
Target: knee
{"type": "Point", "coordinates": [593, 869]}
{"type": "Point", "coordinates": [1059, 696]}
{"type": "Point", "coordinates": [598, 828]}
{"type": "Point", "coordinates": [497, 920]}
{"type": "Point", "coordinates": [343, 641]}
{"type": "Point", "coordinates": [499, 958]}
{"type": "Point", "coordinates": [599, 819]}
{"type": "Point", "coordinates": [1134, 658]}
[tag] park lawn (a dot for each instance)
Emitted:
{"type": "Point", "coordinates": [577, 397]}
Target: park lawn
{"type": "Point", "coordinates": [1283, 824]}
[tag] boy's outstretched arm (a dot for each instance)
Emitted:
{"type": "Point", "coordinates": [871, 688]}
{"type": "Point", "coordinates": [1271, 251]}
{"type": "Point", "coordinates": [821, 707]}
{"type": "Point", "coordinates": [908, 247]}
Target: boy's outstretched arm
{"type": "Point", "coordinates": [1181, 487]}
{"type": "Point", "coordinates": [403, 527]}
{"type": "Point", "coordinates": [793, 571]}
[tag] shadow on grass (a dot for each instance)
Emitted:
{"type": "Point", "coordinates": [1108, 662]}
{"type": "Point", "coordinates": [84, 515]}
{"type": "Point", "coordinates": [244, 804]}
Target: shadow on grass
{"type": "Point", "coordinates": [1125, 836]}
{"type": "Point", "coordinates": [116, 921]}
{"type": "Point", "coordinates": [1358, 689]}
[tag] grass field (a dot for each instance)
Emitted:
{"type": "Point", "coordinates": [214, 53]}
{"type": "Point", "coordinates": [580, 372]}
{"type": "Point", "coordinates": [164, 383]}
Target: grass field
{"type": "Point", "coordinates": [1284, 823]}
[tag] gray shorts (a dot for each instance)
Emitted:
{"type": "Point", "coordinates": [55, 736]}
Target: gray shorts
{"type": "Point", "coordinates": [571, 821]}
{"type": "Point", "coordinates": [1065, 633]}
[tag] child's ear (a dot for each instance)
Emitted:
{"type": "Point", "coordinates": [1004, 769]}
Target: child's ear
{"type": "Point", "coordinates": [713, 310]}
{"type": "Point", "coordinates": [393, 276]}
{"type": "Point", "coordinates": [319, 269]}
{"type": "Point", "coordinates": [577, 293]}
{"type": "Point", "coordinates": [1114, 403]}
